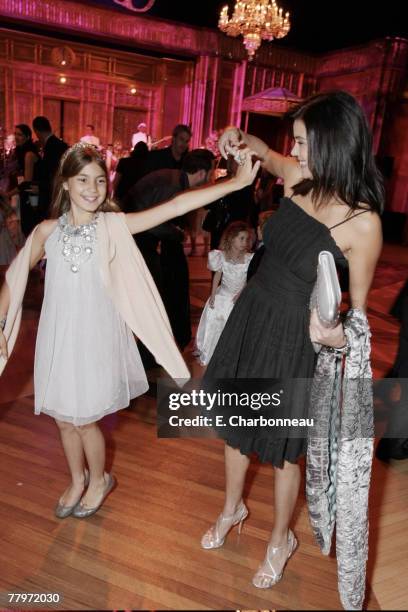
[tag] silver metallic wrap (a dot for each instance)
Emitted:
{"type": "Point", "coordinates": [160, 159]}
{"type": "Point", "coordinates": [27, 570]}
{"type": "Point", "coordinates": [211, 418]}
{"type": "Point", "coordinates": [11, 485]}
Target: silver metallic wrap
{"type": "Point", "coordinates": [339, 457]}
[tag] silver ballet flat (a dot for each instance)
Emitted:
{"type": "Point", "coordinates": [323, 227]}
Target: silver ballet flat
{"type": "Point", "coordinates": [62, 511]}
{"type": "Point", "coordinates": [81, 511]}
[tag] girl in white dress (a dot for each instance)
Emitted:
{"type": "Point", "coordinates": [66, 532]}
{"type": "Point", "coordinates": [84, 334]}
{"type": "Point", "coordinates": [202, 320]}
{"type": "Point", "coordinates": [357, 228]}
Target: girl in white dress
{"type": "Point", "coordinates": [87, 364]}
{"type": "Point", "coordinates": [230, 265]}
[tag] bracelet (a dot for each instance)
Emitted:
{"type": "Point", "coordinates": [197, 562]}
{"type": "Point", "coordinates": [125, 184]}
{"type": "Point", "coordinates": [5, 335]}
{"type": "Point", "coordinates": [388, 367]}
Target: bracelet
{"type": "Point", "coordinates": [343, 350]}
{"type": "Point", "coordinates": [3, 323]}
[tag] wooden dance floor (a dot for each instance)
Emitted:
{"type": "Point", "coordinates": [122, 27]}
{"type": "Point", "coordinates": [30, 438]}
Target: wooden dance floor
{"type": "Point", "coordinates": [142, 550]}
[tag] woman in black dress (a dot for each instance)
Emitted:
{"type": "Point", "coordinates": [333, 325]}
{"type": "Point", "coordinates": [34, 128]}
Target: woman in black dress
{"type": "Point", "coordinates": [332, 200]}
{"type": "Point", "coordinates": [27, 158]}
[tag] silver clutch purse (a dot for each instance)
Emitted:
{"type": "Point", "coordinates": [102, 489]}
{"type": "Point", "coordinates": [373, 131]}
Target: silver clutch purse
{"type": "Point", "coordinates": [326, 294]}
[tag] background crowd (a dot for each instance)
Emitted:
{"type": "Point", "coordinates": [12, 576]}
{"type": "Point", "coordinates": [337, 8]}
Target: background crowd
{"type": "Point", "coordinates": [140, 178]}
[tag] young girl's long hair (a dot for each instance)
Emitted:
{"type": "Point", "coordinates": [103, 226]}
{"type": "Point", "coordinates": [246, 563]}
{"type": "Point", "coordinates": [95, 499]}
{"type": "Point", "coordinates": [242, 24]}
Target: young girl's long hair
{"type": "Point", "coordinates": [71, 164]}
{"type": "Point", "coordinates": [231, 232]}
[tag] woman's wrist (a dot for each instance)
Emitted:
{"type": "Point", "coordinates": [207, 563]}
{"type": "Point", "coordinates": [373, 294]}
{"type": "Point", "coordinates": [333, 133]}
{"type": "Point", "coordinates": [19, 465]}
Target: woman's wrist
{"type": "Point", "coordinates": [342, 348]}
{"type": "Point", "coordinates": [258, 146]}
{"type": "Point", "coordinates": [342, 343]}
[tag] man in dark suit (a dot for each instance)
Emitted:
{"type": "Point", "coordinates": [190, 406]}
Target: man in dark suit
{"type": "Point", "coordinates": [172, 156]}
{"type": "Point", "coordinates": [260, 249]}
{"type": "Point", "coordinates": [52, 151]}
{"type": "Point", "coordinates": [169, 268]}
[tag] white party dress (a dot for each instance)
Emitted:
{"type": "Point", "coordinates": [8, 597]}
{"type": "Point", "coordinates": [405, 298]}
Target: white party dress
{"type": "Point", "coordinates": [213, 320]}
{"type": "Point", "coordinates": [87, 363]}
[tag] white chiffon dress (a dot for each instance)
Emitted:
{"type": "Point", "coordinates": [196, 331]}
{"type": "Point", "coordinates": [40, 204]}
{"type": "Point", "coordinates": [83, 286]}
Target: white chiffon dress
{"type": "Point", "coordinates": [87, 363]}
{"type": "Point", "coordinates": [213, 320]}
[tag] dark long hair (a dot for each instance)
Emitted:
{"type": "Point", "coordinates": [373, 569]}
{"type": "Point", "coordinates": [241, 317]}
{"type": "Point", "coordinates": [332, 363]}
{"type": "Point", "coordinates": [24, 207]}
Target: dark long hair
{"type": "Point", "coordinates": [340, 156]}
{"type": "Point", "coordinates": [28, 146]}
{"type": "Point", "coordinates": [71, 164]}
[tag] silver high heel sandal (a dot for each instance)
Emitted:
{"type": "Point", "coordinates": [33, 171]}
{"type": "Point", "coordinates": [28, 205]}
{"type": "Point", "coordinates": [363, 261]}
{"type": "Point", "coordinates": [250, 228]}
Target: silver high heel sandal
{"type": "Point", "coordinates": [213, 537]}
{"type": "Point", "coordinates": [62, 511]}
{"type": "Point", "coordinates": [267, 576]}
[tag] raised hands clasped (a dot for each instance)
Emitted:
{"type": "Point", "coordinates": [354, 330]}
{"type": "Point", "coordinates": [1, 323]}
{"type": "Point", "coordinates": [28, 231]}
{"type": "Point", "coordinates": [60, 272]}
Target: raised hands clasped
{"type": "Point", "coordinates": [230, 141]}
{"type": "Point", "coordinates": [247, 170]}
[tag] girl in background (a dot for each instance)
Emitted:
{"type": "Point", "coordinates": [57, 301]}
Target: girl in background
{"type": "Point", "coordinates": [230, 264]}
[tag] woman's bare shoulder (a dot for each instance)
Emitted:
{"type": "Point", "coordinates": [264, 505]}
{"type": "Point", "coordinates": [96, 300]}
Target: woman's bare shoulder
{"type": "Point", "coordinates": [367, 223]}
{"type": "Point", "coordinates": [365, 232]}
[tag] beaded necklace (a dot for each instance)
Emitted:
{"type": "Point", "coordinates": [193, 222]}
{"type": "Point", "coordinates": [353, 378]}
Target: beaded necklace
{"type": "Point", "coordinates": [77, 240]}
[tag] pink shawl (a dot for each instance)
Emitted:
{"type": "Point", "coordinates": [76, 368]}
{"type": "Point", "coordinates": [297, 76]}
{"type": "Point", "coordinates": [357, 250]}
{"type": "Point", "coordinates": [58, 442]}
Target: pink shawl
{"type": "Point", "coordinates": [128, 283]}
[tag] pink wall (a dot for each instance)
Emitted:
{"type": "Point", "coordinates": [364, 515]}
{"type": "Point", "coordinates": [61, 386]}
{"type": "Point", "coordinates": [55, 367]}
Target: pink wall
{"type": "Point", "coordinates": [205, 91]}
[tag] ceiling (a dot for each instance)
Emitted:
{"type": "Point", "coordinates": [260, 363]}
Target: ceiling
{"type": "Point", "coordinates": [317, 25]}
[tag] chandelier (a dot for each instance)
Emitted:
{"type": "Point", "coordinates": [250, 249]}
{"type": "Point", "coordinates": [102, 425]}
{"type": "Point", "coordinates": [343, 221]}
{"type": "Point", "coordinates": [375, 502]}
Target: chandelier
{"type": "Point", "coordinates": [130, 6]}
{"type": "Point", "coordinates": [256, 20]}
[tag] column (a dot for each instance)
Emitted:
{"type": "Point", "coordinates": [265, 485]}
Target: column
{"type": "Point", "coordinates": [238, 93]}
